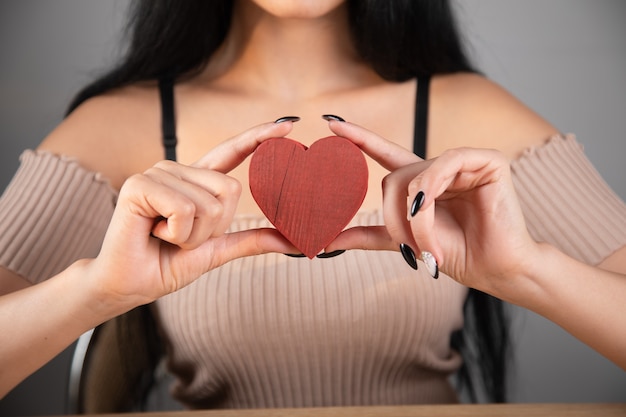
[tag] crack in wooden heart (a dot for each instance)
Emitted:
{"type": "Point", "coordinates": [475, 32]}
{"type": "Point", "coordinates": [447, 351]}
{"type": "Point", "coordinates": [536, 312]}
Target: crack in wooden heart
{"type": "Point", "coordinates": [309, 194]}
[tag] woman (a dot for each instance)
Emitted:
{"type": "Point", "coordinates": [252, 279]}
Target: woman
{"type": "Point", "coordinates": [361, 328]}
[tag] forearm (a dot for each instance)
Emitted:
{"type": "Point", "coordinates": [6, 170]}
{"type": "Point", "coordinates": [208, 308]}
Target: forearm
{"type": "Point", "coordinates": [588, 302]}
{"type": "Point", "coordinates": [40, 321]}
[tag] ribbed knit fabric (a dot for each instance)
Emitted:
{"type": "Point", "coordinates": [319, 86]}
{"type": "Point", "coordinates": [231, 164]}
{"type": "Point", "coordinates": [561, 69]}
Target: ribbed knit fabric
{"type": "Point", "coordinates": [274, 331]}
{"type": "Point", "coordinates": [567, 203]}
{"type": "Point", "coordinates": [53, 213]}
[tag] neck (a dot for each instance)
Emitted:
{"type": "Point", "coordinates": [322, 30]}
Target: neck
{"type": "Point", "coordinates": [291, 58]}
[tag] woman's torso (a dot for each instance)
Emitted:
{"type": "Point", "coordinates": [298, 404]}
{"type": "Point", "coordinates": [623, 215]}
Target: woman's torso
{"type": "Point", "coordinates": [276, 331]}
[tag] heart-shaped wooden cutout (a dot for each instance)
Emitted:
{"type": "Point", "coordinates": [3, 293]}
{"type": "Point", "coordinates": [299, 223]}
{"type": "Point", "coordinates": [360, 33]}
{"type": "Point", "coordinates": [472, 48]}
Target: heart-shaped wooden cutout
{"type": "Point", "coordinates": [309, 194]}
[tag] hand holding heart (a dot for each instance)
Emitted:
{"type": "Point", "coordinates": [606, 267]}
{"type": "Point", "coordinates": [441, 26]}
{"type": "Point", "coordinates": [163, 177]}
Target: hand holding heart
{"type": "Point", "coordinates": [470, 218]}
{"type": "Point", "coordinates": [169, 224]}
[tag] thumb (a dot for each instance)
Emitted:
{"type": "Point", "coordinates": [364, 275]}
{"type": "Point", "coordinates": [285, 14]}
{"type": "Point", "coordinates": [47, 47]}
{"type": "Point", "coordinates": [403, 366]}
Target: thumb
{"type": "Point", "coordinates": [248, 243]}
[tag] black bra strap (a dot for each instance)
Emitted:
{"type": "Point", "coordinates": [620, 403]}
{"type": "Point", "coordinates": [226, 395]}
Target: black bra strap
{"type": "Point", "coordinates": [168, 117]}
{"type": "Point", "coordinates": [420, 131]}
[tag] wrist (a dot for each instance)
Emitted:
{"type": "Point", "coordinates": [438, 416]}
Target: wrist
{"type": "Point", "coordinates": [98, 302]}
{"type": "Point", "coordinates": [525, 284]}
{"type": "Point", "coordinates": [540, 280]}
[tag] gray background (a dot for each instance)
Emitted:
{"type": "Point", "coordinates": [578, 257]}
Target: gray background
{"type": "Point", "coordinates": [564, 58]}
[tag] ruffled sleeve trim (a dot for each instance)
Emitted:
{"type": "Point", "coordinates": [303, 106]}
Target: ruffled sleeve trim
{"type": "Point", "coordinates": [54, 212]}
{"type": "Point", "coordinates": [97, 177]}
{"type": "Point", "coordinates": [566, 202]}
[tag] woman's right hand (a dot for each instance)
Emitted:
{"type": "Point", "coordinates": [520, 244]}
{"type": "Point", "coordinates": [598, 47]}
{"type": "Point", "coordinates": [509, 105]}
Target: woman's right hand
{"type": "Point", "coordinates": [169, 225]}
{"type": "Point", "coordinates": [168, 228]}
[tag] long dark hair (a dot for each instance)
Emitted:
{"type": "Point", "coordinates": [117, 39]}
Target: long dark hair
{"type": "Point", "coordinates": [400, 39]}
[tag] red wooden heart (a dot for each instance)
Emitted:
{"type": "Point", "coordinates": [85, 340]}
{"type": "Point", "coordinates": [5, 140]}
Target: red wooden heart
{"type": "Point", "coordinates": [309, 195]}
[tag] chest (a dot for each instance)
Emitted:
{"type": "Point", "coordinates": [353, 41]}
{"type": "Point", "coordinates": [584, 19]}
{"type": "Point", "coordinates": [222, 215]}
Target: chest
{"type": "Point", "coordinates": [204, 120]}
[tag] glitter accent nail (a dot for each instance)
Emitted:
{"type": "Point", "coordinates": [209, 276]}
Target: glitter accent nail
{"type": "Point", "coordinates": [431, 264]}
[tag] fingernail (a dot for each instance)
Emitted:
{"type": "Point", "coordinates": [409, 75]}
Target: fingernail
{"type": "Point", "coordinates": [325, 255]}
{"type": "Point", "coordinates": [431, 264]}
{"type": "Point", "coordinates": [408, 255]}
{"type": "Point", "coordinates": [287, 119]}
{"type": "Point", "coordinates": [417, 203]}
{"type": "Point", "coordinates": [329, 117]}
{"type": "Point", "coordinates": [295, 255]}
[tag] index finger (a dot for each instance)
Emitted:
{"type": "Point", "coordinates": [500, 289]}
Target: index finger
{"type": "Point", "coordinates": [229, 154]}
{"type": "Point", "coordinates": [389, 155]}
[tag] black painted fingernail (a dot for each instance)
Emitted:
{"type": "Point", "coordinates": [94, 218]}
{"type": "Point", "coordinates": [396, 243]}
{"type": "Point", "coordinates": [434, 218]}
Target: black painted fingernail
{"type": "Point", "coordinates": [431, 264]}
{"type": "Point", "coordinates": [408, 255]}
{"type": "Point", "coordinates": [329, 117]}
{"type": "Point", "coordinates": [287, 119]}
{"type": "Point", "coordinates": [325, 255]}
{"type": "Point", "coordinates": [417, 203]}
{"type": "Point", "coordinates": [295, 255]}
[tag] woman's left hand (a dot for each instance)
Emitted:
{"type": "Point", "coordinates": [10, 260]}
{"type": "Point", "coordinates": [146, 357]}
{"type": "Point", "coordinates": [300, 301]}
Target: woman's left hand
{"type": "Point", "coordinates": [469, 217]}
{"type": "Point", "coordinates": [462, 209]}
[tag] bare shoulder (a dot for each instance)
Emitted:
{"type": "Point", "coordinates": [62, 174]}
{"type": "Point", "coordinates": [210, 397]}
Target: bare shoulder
{"type": "Point", "coordinates": [471, 110]}
{"type": "Point", "coordinates": [117, 133]}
